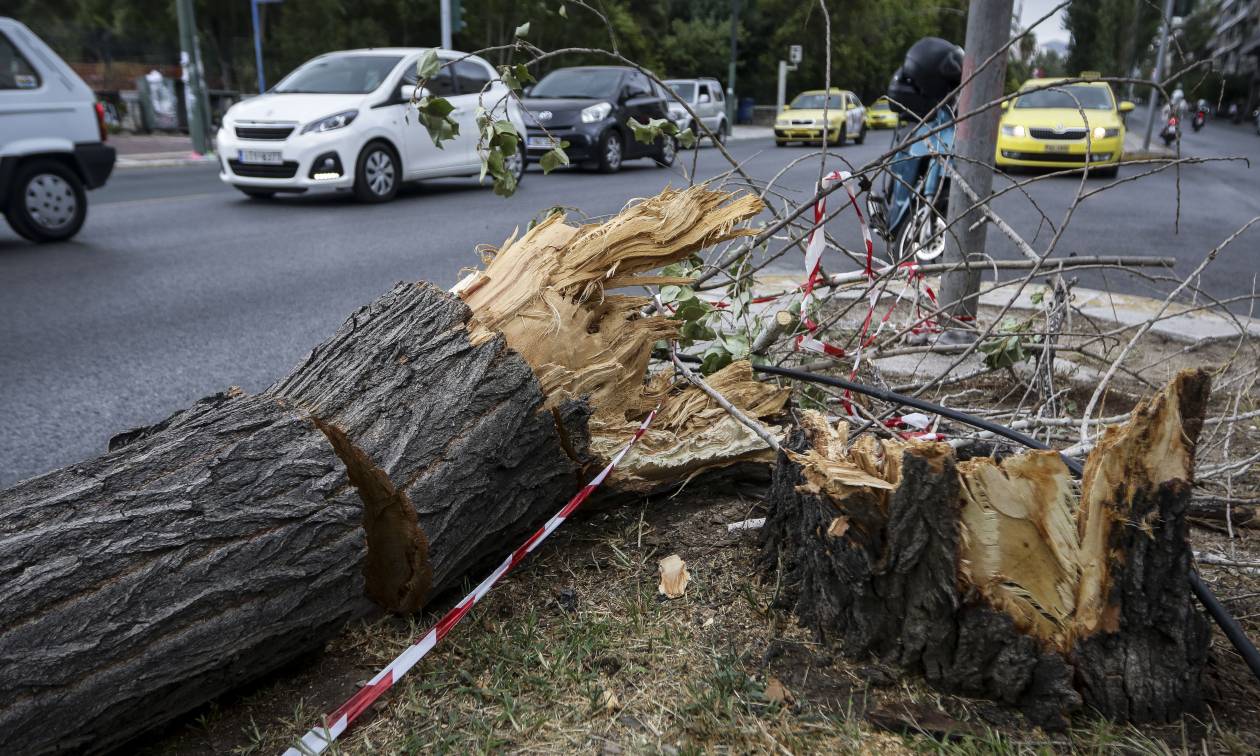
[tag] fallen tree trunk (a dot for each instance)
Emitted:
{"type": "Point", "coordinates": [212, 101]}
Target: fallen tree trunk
{"type": "Point", "coordinates": [424, 439]}
{"type": "Point", "coordinates": [247, 530]}
{"type": "Point", "coordinates": [990, 579]}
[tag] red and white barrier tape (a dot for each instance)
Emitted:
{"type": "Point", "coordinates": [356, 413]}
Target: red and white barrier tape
{"type": "Point", "coordinates": [813, 262]}
{"type": "Point", "coordinates": [319, 738]}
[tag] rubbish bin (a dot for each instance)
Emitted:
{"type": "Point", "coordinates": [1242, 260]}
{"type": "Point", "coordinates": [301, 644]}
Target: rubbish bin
{"type": "Point", "coordinates": [744, 113]}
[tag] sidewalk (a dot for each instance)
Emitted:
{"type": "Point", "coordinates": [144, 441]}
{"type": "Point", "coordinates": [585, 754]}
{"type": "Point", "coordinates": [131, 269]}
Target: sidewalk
{"type": "Point", "coordinates": [740, 133]}
{"type": "Point", "coordinates": [155, 150]}
{"type": "Point", "coordinates": [1133, 139]}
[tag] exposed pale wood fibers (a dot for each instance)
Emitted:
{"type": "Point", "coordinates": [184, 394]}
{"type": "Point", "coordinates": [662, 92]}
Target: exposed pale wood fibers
{"type": "Point", "coordinates": [1049, 599]}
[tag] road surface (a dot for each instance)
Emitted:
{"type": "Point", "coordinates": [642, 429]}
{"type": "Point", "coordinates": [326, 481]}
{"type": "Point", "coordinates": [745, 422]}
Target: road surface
{"type": "Point", "coordinates": [178, 286]}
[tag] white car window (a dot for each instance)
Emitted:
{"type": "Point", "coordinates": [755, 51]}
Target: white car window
{"type": "Point", "coordinates": [440, 84]}
{"type": "Point", "coordinates": [341, 73]}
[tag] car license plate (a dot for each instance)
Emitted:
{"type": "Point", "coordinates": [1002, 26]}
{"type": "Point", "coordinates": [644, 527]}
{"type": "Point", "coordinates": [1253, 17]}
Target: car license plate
{"type": "Point", "coordinates": [542, 141]}
{"type": "Point", "coordinates": [1056, 148]}
{"type": "Point", "coordinates": [265, 157]}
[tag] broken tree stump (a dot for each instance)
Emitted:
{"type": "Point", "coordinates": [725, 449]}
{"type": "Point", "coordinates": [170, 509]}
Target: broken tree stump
{"type": "Point", "coordinates": [998, 580]}
{"type": "Point", "coordinates": [423, 440]}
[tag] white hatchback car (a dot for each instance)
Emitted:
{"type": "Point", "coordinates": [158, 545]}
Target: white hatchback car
{"type": "Point", "coordinates": [344, 122]}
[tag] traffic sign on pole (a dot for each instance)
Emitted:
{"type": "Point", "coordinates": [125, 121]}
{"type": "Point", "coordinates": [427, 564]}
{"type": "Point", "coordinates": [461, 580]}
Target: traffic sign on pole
{"type": "Point", "coordinates": [794, 55]}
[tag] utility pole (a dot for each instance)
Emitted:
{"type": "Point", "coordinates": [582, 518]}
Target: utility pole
{"type": "Point", "coordinates": [1159, 72]}
{"type": "Point", "coordinates": [258, 63]}
{"type": "Point", "coordinates": [975, 138]}
{"type": "Point", "coordinates": [195, 100]}
{"type": "Point", "coordinates": [446, 24]}
{"type": "Point", "coordinates": [730, 73]}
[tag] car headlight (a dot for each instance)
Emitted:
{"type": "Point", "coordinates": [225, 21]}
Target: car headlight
{"type": "Point", "coordinates": [332, 122]}
{"type": "Point", "coordinates": [1014, 130]}
{"type": "Point", "coordinates": [1102, 133]}
{"type": "Point", "coordinates": [596, 113]}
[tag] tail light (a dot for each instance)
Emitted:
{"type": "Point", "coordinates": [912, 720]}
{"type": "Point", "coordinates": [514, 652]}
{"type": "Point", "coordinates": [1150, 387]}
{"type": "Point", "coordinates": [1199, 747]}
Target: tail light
{"type": "Point", "coordinates": [100, 121]}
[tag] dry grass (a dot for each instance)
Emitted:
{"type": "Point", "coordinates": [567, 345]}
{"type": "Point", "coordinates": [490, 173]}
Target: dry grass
{"type": "Point", "coordinates": [578, 652]}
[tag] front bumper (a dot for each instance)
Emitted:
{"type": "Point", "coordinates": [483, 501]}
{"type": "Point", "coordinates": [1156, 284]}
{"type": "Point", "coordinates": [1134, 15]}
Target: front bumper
{"type": "Point", "coordinates": [583, 139]}
{"type": "Point", "coordinates": [805, 133]}
{"type": "Point", "coordinates": [1038, 153]}
{"type": "Point", "coordinates": [309, 162]}
{"type": "Point", "coordinates": [889, 121]}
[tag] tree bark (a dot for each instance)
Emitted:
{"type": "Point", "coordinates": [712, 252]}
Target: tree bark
{"type": "Point", "coordinates": [243, 532]}
{"type": "Point", "coordinates": [993, 579]}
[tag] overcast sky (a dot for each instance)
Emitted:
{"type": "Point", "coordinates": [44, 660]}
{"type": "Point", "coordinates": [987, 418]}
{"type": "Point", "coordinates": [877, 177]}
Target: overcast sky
{"type": "Point", "coordinates": [1051, 28]}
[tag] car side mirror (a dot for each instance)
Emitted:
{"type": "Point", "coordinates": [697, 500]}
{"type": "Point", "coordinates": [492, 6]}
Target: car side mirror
{"type": "Point", "coordinates": [704, 98]}
{"type": "Point", "coordinates": [528, 90]}
{"type": "Point", "coordinates": [405, 91]}
{"type": "Point", "coordinates": [1126, 106]}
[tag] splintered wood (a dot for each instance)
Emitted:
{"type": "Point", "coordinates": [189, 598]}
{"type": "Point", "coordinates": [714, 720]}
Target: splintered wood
{"type": "Point", "coordinates": [548, 294]}
{"type": "Point", "coordinates": [962, 564]}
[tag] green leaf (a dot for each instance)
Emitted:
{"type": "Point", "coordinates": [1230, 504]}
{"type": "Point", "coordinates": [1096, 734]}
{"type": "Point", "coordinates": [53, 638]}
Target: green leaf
{"type": "Point", "coordinates": [554, 158]}
{"type": "Point", "coordinates": [670, 293]}
{"type": "Point", "coordinates": [1003, 352]}
{"type": "Point", "coordinates": [564, 11]}
{"type": "Point", "coordinates": [687, 138]}
{"type": "Point", "coordinates": [736, 344]}
{"type": "Point", "coordinates": [522, 30]}
{"type": "Point", "coordinates": [435, 115]}
{"type": "Point", "coordinates": [505, 185]}
{"type": "Point", "coordinates": [523, 74]}
{"type": "Point", "coordinates": [428, 65]}
{"type": "Point", "coordinates": [649, 132]}
{"type": "Point", "coordinates": [1038, 296]}
{"type": "Point", "coordinates": [715, 358]}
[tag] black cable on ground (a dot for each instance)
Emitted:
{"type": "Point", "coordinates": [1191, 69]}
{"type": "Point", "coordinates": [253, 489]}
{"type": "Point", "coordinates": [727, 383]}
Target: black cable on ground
{"type": "Point", "coordinates": [1215, 609]}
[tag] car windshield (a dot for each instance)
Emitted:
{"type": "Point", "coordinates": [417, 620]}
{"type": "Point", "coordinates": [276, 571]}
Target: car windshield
{"type": "Point", "coordinates": [339, 74]}
{"type": "Point", "coordinates": [881, 105]}
{"type": "Point", "coordinates": [815, 102]}
{"type": "Point", "coordinates": [686, 89]}
{"type": "Point", "coordinates": [587, 83]}
{"type": "Point", "coordinates": [1089, 97]}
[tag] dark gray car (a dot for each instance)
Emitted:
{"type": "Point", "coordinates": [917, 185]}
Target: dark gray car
{"type": "Point", "coordinates": [590, 107]}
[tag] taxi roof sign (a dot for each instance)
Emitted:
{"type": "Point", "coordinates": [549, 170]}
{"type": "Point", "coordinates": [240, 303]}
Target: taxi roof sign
{"type": "Point", "coordinates": [1090, 75]}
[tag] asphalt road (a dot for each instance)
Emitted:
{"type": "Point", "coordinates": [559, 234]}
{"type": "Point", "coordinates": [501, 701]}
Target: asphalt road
{"type": "Point", "coordinates": [179, 287]}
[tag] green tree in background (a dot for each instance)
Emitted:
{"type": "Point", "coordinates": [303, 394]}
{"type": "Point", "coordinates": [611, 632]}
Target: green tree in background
{"type": "Point", "coordinates": [670, 37]}
{"type": "Point", "coordinates": [1110, 36]}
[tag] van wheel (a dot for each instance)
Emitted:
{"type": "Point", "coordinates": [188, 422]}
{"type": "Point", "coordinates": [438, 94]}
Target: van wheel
{"type": "Point", "coordinates": [723, 132]}
{"type": "Point", "coordinates": [377, 173]}
{"type": "Point", "coordinates": [48, 202]}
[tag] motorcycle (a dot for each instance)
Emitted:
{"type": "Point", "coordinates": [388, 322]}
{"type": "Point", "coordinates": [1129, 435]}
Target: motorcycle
{"type": "Point", "coordinates": [1171, 132]}
{"type": "Point", "coordinates": [1199, 119]}
{"type": "Point", "coordinates": [910, 213]}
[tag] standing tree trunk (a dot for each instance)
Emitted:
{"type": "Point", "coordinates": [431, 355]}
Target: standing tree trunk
{"type": "Point", "coordinates": [245, 531]}
{"type": "Point", "coordinates": [991, 579]}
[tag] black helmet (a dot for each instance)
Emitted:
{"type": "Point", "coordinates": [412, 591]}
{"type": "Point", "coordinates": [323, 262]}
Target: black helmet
{"type": "Point", "coordinates": [932, 69]}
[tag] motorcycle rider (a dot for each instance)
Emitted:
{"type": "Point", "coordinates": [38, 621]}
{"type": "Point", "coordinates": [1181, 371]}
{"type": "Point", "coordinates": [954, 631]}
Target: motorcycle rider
{"type": "Point", "coordinates": [922, 88]}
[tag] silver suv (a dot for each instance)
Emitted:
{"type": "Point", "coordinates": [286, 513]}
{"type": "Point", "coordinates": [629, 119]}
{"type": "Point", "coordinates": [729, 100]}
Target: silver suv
{"type": "Point", "coordinates": [704, 97]}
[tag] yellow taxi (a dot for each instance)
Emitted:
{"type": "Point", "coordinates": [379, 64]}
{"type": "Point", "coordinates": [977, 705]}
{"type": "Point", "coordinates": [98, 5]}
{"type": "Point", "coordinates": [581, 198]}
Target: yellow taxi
{"type": "Point", "coordinates": [880, 115]}
{"type": "Point", "coordinates": [1048, 126]}
{"type": "Point", "coordinates": [802, 120]}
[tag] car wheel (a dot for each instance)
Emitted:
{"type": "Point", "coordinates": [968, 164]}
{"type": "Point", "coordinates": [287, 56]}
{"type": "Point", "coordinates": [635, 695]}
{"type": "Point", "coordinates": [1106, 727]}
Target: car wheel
{"type": "Point", "coordinates": [48, 202]}
{"type": "Point", "coordinates": [843, 136]}
{"type": "Point", "coordinates": [377, 173]}
{"type": "Point", "coordinates": [611, 152]}
{"type": "Point", "coordinates": [861, 137]}
{"type": "Point", "coordinates": [1110, 172]}
{"type": "Point", "coordinates": [780, 143]}
{"type": "Point", "coordinates": [723, 132]}
{"type": "Point", "coordinates": [256, 193]}
{"type": "Point", "coordinates": [668, 152]}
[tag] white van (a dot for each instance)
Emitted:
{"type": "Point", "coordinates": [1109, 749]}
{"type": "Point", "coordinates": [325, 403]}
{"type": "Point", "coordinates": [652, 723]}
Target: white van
{"type": "Point", "coordinates": [344, 122]}
{"type": "Point", "coordinates": [52, 138]}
